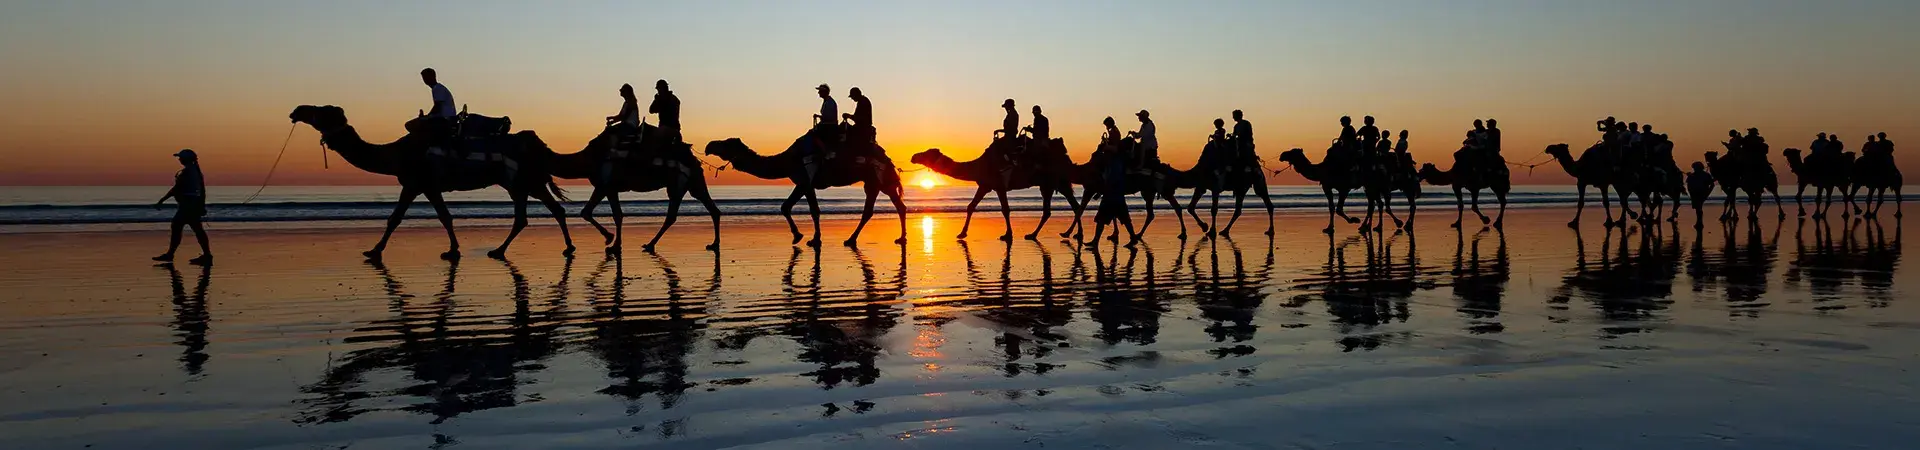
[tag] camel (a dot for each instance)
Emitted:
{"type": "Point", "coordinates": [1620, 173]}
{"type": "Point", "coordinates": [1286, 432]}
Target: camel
{"type": "Point", "coordinates": [1219, 173]}
{"type": "Point", "coordinates": [1652, 176]}
{"type": "Point", "coordinates": [1877, 173]}
{"type": "Point", "coordinates": [1827, 176]}
{"type": "Point", "coordinates": [1736, 173]}
{"type": "Point", "coordinates": [878, 176]}
{"type": "Point", "coordinates": [1332, 176]}
{"type": "Point", "coordinates": [1380, 182]}
{"type": "Point", "coordinates": [647, 167]}
{"type": "Point", "coordinates": [419, 174]}
{"type": "Point", "coordinates": [1163, 181]}
{"type": "Point", "coordinates": [1465, 175]}
{"type": "Point", "coordinates": [1048, 170]}
{"type": "Point", "coordinates": [1595, 168]}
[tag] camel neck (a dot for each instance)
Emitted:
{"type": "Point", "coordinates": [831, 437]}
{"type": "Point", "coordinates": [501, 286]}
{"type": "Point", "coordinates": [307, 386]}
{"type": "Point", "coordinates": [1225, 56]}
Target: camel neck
{"type": "Point", "coordinates": [375, 158]}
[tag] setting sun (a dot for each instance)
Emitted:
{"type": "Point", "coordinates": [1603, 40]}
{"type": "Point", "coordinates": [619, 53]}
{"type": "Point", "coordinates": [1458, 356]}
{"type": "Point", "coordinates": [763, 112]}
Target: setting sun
{"type": "Point", "coordinates": [928, 180]}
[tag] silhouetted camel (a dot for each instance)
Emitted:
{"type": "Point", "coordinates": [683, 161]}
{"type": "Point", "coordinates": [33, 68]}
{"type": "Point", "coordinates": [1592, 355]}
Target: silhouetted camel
{"type": "Point", "coordinates": [878, 177]}
{"type": "Point", "coordinates": [406, 159]}
{"type": "Point", "coordinates": [1471, 177]}
{"type": "Point", "coordinates": [1332, 176]}
{"type": "Point", "coordinates": [1827, 175]}
{"type": "Point", "coordinates": [1395, 175]}
{"type": "Point", "coordinates": [1164, 182]}
{"type": "Point", "coordinates": [1877, 173]}
{"type": "Point", "coordinates": [1223, 175]}
{"type": "Point", "coordinates": [655, 166]}
{"type": "Point", "coordinates": [1753, 177]}
{"type": "Point", "coordinates": [1595, 168]}
{"type": "Point", "coordinates": [1049, 170]}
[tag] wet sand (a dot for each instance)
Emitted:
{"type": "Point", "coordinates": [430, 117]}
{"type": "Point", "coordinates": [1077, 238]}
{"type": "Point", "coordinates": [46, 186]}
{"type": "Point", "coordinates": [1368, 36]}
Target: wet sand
{"type": "Point", "coordinates": [1788, 335]}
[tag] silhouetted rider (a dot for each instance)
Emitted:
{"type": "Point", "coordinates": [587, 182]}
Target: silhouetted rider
{"type": "Point", "coordinates": [1243, 138]}
{"type": "Point", "coordinates": [1009, 126]}
{"type": "Point", "coordinates": [628, 119]}
{"type": "Point", "coordinates": [667, 106]}
{"type": "Point", "coordinates": [1147, 148]}
{"type": "Point", "coordinates": [1369, 135]}
{"type": "Point", "coordinates": [860, 130]}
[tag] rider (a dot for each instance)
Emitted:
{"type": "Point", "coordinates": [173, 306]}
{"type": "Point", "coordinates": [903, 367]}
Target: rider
{"type": "Point", "coordinates": [1040, 132]}
{"type": "Point", "coordinates": [1348, 137]}
{"type": "Point", "coordinates": [1886, 144]}
{"type": "Point", "coordinates": [1369, 136]}
{"type": "Point", "coordinates": [862, 116]}
{"type": "Point", "coordinates": [628, 119]}
{"type": "Point", "coordinates": [1011, 124]}
{"type": "Point", "coordinates": [1147, 149]}
{"type": "Point", "coordinates": [1754, 145]}
{"type": "Point", "coordinates": [1243, 138]}
{"type": "Point", "coordinates": [1112, 135]}
{"type": "Point", "coordinates": [1819, 148]}
{"type": "Point", "coordinates": [667, 106]}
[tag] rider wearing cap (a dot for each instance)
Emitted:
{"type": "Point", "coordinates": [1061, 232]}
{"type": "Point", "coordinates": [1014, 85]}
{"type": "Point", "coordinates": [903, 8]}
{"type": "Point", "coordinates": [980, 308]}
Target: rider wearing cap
{"type": "Point", "coordinates": [1147, 149]}
{"type": "Point", "coordinates": [667, 106]}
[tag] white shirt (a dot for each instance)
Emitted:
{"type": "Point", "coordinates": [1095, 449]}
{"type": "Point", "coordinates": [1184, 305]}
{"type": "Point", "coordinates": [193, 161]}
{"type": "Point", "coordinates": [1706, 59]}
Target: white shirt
{"type": "Point", "coordinates": [1146, 135]}
{"type": "Point", "coordinates": [443, 98]}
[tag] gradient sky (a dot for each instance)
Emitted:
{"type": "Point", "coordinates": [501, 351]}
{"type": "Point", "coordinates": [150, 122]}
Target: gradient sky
{"type": "Point", "coordinates": [102, 92]}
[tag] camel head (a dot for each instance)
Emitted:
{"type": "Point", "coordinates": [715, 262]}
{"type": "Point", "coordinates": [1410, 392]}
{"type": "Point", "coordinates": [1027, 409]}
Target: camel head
{"type": "Point", "coordinates": [1428, 170]}
{"type": "Point", "coordinates": [728, 148]}
{"type": "Point", "coordinates": [324, 118]}
{"type": "Point", "coordinates": [931, 156]}
{"type": "Point", "coordinates": [1791, 153]}
{"type": "Point", "coordinates": [1560, 151]}
{"type": "Point", "coordinates": [1294, 156]}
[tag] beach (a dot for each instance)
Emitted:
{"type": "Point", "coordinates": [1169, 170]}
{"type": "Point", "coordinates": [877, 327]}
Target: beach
{"type": "Point", "coordinates": [1783, 334]}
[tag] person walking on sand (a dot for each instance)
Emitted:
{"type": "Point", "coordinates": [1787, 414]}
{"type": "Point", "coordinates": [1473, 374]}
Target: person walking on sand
{"type": "Point", "coordinates": [1113, 198]}
{"type": "Point", "coordinates": [1699, 190]}
{"type": "Point", "coordinates": [190, 192]}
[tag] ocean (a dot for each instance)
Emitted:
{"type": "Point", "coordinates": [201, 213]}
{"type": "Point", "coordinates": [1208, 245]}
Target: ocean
{"type": "Point", "coordinates": [366, 205]}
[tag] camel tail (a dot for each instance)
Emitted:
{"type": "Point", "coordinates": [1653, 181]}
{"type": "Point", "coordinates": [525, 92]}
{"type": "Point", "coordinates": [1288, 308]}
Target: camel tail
{"type": "Point", "coordinates": [558, 193]}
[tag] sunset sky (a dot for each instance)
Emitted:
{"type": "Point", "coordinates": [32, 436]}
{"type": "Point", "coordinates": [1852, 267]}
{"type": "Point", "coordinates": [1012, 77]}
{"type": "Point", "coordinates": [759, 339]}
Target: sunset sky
{"type": "Point", "coordinates": [102, 92]}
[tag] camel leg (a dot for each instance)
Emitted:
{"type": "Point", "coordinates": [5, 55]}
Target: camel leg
{"type": "Point", "coordinates": [786, 210]}
{"type": "Point", "coordinates": [586, 213]}
{"type": "Point", "coordinates": [967, 224]}
{"type": "Point", "coordinates": [393, 221]}
{"type": "Point", "coordinates": [1329, 193]}
{"type": "Point", "coordinates": [1194, 202]}
{"type": "Point", "coordinates": [519, 224]}
{"type": "Point", "coordinates": [1500, 220]}
{"type": "Point", "coordinates": [1460, 206]}
{"type": "Point", "coordinates": [1801, 206]}
{"type": "Point", "coordinates": [1260, 188]}
{"type": "Point", "coordinates": [1239, 202]}
{"type": "Point", "coordinates": [1580, 207]}
{"type": "Point", "coordinates": [674, 195]}
{"type": "Point", "coordinates": [1079, 208]}
{"type": "Point", "coordinates": [1899, 203]}
{"type": "Point", "coordinates": [559, 216]}
{"type": "Point", "coordinates": [1006, 216]}
{"type": "Point", "coordinates": [1174, 203]}
{"type": "Point", "coordinates": [813, 209]}
{"type": "Point", "coordinates": [1214, 215]}
{"type": "Point", "coordinates": [1606, 199]}
{"type": "Point", "coordinates": [1475, 195]}
{"type": "Point", "coordinates": [1078, 230]}
{"type": "Point", "coordinates": [1146, 197]}
{"type": "Point", "coordinates": [873, 193]}
{"type": "Point", "coordinates": [700, 193]}
{"type": "Point", "coordinates": [1413, 207]}
{"type": "Point", "coordinates": [1779, 206]}
{"type": "Point", "coordinates": [1386, 210]}
{"type": "Point", "coordinates": [900, 209]}
{"type": "Point", "coordinates": [618, 239]}
{"type": "Point", "coordinates": [1046, 212]}
{"type": "Point", "coordinates": [1342, 208]}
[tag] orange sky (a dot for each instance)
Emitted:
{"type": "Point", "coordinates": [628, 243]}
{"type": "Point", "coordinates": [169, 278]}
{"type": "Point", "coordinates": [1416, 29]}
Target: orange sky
{"type": "Point", "coordinates": [100, 93]}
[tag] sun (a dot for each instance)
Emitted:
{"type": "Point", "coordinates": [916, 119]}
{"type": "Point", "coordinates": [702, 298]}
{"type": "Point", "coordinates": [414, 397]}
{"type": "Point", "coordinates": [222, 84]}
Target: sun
{"type": "Point", "coordinates": [928, 181]}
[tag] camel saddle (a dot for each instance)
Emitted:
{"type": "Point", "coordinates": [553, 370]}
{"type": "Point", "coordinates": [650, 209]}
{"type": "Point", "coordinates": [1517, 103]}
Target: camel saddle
{"type": "Point", "coordinates": [479, 138]}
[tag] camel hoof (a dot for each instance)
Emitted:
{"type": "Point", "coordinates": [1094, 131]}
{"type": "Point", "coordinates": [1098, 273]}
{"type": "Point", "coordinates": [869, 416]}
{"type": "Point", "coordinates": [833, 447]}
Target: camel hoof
{"type": "Point", "coordinates": [1484, 220]}
{"type": "Point", "coordinates": [1327, 230]}
{"type": "Point", "coordinates": [613, 251]}
{"type": "Point", "coordinates": [1270, 230]}
{"type": "Point", "coordinates": [848, 242]}
{"type": "Point", "coordinates": [1182, 236]}
{"type": "Point", "coordinates": [815, 243]}
{"type": "Point", "coordinates": [372, 255]}
{"type": "Point", "coordinates": [1033, 236]}
{"type": "Point", "coordinates": [1897, 214]}
{"type": "Point", "coordinates": [1803, 213]}
{"type": "Point", "coordinates": [1352, 220]}
{"type": "Point", "coordinates": [714, 247]}
{"type": "Point", "coordinates": [568, 251]}
{"type": "Point", "coordinates": [1066, 234]}
{"type": "Point", "coordinates": [1006, 238]}
{"type": "Point", "coordinates": [1455, 225]}
{"type": "Point", "coordinates": [796, 238]}
{"type": "Point", "coordinates": [1210, 235]}
{"type": "Point", "coordinates": [961, 236]}
{"type": "Point", "coordinates": [1079, 236]}
{"type": "Point", "coordinates": [1573, 224]}
{"type": "Point", "coordinates": [647, 248]}
{"type": "Point", "coordinates": [607, 236]}
{"type": "Point", "coordinates": [450, 255]}
{"type": "Point", "coordinates": [1114, 238]}
{"type": "Point", "coordinates": [498, 253]}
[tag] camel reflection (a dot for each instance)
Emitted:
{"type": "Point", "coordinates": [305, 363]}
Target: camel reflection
{"type": "Point", "coordinates": [457, 361]}
{"type": "Point", "coordinates": [1861, 254]}
{"type": "Point", "coordinates": [1028, 313]}
{"type": "Point", "coordinates": [1362, 300]}
{"type": "Point", "coordinates": [190, 318]}
{"type": "Point", "coordinates": [1738, 270]}
{"type": "Point", "coordinates": [839, 331]}
{"type": "Point", "coordinates": [1231, 301]}
{"type": "Point", "coordinates": [1480, 284]}
{"type": "Point", "coordinates": [1629, 284]}
{"type": "Point", "coordinates": [1127, 310]}
{"type": "Point", "coordinates": [644, 342]}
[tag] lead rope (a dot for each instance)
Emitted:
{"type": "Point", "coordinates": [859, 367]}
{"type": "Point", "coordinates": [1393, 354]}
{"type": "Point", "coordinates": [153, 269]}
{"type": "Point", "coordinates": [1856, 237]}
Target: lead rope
{"type": "Point", "coordinates": [276, 164]}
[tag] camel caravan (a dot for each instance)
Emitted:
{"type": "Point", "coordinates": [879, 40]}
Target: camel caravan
{"type": "Point", "coordinates": [447, 149]}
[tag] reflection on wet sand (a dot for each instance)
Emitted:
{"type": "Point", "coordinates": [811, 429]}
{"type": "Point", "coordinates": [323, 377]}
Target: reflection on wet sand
{"type": "Point", "coordinates": [459, 362]}
{"type": "Point", "coordinates": [190, 317]}
{"type": "Point", "coordinates": [1363, 298]}
{"type": "Point", "coordinates": [643, 342]}
{"type": "Point", "coordinates": [1630, 281]}
{"type": "Point", "coordinates": [1739, 270]}
{"type": "Point", "coordinates": [1480, 283]}
{"type": "Point", "coordinates": [1861, 253]}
